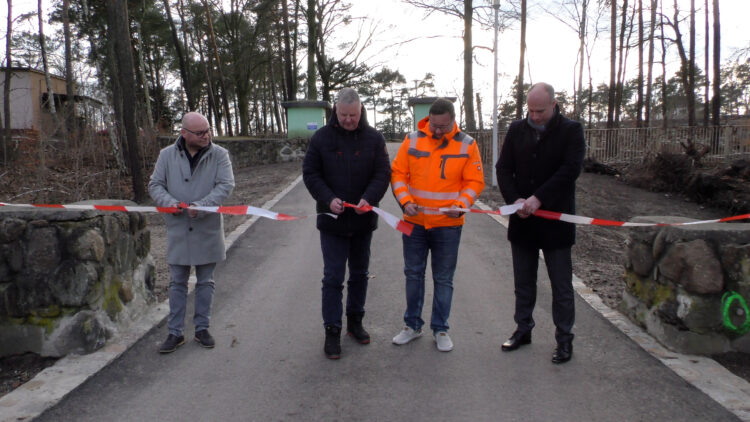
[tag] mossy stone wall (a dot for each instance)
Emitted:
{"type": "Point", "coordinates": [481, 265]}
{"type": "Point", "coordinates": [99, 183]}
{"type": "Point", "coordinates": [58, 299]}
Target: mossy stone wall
{"type": "Point", "coordinates": [69, 278]}
{"type": "Point", "coordinates": [676, 277]}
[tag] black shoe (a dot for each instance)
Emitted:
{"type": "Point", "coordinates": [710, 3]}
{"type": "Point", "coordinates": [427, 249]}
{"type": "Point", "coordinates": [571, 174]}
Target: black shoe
{"type": "Point", "coordinates": [354, 328]}
{"type": "Point", "coordinates": [517, 340]}
{"type": "Point", "coordinates": [171, 343]}
{"type": "Point", "coordinates": [563, 352]}
{"type": "Point", "coordinates": [203, 337]}
{"type": "Point", "coordinates": [332, 346]}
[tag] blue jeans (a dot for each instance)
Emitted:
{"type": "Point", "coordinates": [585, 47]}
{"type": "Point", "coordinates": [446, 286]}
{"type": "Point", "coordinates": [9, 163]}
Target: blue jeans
{"type": "Point", "coordinates": [443, 243]}
{"type": "Point", "coordinates": [337, 250]}
{"type": "Point", "coordinates": [178, 289]}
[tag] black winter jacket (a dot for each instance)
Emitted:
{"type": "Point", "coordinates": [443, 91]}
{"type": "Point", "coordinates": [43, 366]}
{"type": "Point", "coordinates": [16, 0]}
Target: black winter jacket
{"type": "Point", "coordinates": [546, 167]}
{"type": "Point", "coordinates": [350, 165]}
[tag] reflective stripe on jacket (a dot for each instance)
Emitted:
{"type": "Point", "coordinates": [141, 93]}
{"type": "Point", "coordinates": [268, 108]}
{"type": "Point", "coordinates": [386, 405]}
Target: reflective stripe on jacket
{"type": "Point", "coordinates": [437, 173]}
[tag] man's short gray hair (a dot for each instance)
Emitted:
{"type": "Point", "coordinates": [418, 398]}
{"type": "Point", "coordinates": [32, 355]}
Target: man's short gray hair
{"type": "Point", "coordinates": [347, 96]}
{"type": "Point", "coordinates": [545, 86]}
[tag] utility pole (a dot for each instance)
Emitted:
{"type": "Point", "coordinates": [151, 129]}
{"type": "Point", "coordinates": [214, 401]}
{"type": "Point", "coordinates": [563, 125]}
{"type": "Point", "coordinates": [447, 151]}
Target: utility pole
{"type": "Point", "coordinates": [496, 6]}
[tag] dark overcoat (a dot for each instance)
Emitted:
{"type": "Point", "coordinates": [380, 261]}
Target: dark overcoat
{"type": "Point", "coordinates": [547, 167]}
{"type": "Point", "coordinates": [350, 165]}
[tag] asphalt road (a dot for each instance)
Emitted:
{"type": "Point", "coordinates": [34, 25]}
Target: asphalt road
{"type": "Point", "coordinates": [269, 365]}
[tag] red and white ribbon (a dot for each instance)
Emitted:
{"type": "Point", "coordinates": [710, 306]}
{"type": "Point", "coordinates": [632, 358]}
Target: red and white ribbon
{"type": "Point", "coordinates": [577, 219]}
{"type": "Point", "coordinates": [247, 210]}
{"type": "Point", "coordinates": [403, 226]}
{"type": "Point", "coordinates": [390, 219]}
{"type": "Point", "coordinates": [230, 210]}
{"type": "Point", "coordinates": [123, 208]}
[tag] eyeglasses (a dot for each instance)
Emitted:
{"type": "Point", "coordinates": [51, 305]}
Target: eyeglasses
{"type": "Point", "coordinates": [443, 128]}
{"type": "Point", "coordinates": [200, 133]}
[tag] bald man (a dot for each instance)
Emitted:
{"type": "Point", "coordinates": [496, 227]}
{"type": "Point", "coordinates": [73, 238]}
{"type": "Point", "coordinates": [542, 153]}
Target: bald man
{"type": "Point", "coordinates": [539, 163]}
{"type": "Point", "coordinates": [197, 172]}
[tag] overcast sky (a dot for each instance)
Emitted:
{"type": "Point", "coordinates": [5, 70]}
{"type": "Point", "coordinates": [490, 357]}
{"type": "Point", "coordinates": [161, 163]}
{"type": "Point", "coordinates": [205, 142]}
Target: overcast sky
{"type": "Point", "coordinates": [438, 47]}
{"type": "Point", "coordinates": [551, 46]}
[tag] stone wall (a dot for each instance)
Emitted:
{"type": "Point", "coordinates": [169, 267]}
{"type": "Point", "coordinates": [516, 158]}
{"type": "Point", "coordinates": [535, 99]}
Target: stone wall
{"type": "Point", "coordinates": [675, 278]}
{"type": "Point", "coordinates": [69, 278]}
{"type": "Point", "coordinates": [246, 152]}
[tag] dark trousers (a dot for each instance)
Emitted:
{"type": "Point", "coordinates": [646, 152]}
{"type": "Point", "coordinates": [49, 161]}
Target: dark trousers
{"type": "Point", "coordinates": [560, 271]}
{"type": "Point", "coordinates": [337, 250]}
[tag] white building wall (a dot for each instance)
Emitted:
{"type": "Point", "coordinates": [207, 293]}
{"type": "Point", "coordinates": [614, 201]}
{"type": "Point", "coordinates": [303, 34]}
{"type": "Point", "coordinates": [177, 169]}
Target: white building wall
{"type": "Point", "coordinates": [21, 110]}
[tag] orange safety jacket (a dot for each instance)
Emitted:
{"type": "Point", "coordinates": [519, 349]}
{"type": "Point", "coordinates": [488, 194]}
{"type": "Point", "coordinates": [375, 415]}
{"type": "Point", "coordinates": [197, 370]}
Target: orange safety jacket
{"type": "Point", "coordinates": [437, 173]}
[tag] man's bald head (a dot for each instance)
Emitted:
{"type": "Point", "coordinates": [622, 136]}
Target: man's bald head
{"type": "Point", "coordinates": [195, 131]}
{"type": "Point", "coordinates": [194, 121]}
{"type": "Point", "coordinates": [540, 102]}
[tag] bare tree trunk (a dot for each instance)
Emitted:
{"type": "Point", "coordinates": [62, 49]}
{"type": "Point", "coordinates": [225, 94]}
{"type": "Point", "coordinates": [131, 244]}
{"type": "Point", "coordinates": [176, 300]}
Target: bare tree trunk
{"type": "Point", "coordinates": [664, 123]}
{"type": "Point", "coordinates": [582, 32]}
{"type": "Point", "coordinates": [691, 67]}
{"type": "Point", "coordinates": [50, 96]}
{"type": "Point", "coordinates": [312, 38]}
{"type": "Point", "coordinates": [289, 73]}
{"type": "Point", "coordinates": [706, 89]}
{"type": "Point", "coordinates": [70, 110]}
{"type": "Point", "coordinates": [149, 117]}
{"type": "Point", "coordinates": [686, 68]}
{"type": "Point", "coordinates": [479, 111]}
{"type": "Point", "coordinates": [612, 63]}
{"type": "Point", "coordinates": [213, 104]}
{"type": "Point", "coordinates": [115, 127]}
{"type": "Point", "coordinates": [126, 76]}
{"type": "Point", "coordinates": [471, 123]}
{"type": "Point", "coordinates": [180, 58]}
{"type": "Point", "coordinates": [621, 65]}
{"type": "Point", "coordinates": [45, 65]}
{"type": "Point", "coordinates": [519, 88]}
{"type": "Point", "coordinates": [212, 40]}
{"type": "Point", "coordinates": [649, 81]}
{"type": "Point", "coordinates": [716, 100]}
{"type": "Point", "coordinates": [188, 56]}
{"type": "Point", "coordinates": [6, 87]}
{"type": "Point", "coordinates": [264, 105]}
{"type": "Point", "coordinates": [639, 94]}
{"type": "Point", "coordinates": [274, 95]}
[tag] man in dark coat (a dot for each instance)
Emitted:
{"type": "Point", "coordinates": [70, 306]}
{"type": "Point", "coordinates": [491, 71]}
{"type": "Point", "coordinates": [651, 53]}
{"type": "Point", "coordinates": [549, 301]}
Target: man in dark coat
{"type": "Point", "coordinates": [346, 161]}
{"type": "Point", "coordinates": [539, 163]}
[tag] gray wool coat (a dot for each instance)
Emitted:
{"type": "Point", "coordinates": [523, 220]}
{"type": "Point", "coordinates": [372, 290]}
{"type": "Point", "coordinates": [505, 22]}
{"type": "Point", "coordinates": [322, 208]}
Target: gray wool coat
{"type": "Point", "coordinates": [199, 240]}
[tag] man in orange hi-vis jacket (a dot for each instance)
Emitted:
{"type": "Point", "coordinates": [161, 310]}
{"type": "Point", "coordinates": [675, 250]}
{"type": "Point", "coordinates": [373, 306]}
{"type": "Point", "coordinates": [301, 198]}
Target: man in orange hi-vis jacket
{"type": "Point", "coordinates": [436, 171]}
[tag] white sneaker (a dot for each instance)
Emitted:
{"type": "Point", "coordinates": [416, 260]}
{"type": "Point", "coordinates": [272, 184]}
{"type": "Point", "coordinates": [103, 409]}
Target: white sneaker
{"type": "Point", "coordinates": [443, 340]}
{"type": "Point", "coordinates": [406, 335]}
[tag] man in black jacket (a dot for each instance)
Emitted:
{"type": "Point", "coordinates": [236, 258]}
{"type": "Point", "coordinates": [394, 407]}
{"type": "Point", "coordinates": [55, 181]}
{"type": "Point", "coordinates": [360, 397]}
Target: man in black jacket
{"type": "Point", "coordinates": [539, 163]}
{"type": "Point", "coordinates": [346, 161]}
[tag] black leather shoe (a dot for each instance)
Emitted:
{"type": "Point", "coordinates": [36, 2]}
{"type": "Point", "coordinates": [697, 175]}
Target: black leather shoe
{"type": "Point", "coordinates": [354, 328]}
{"type": "Point", "coordinates": [171, 343]}
{"type": "Point", "coordinates": [204, 339]}
{"type": "Point", "coordinates": [515, 341]}
{"type": "Point", "coordinates": [332, 347]}
{"type": "Point", "coordinates": [563, 352]}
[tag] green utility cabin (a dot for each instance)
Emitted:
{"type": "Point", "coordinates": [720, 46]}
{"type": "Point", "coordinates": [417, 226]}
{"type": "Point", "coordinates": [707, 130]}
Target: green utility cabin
{"type": "Point", "coordinates": [420, 107]}
{"type": "Point", "coordinates": [305, 117]}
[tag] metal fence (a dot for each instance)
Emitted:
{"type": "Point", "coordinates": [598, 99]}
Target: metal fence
{"type": "Point", "coordinates": [628, 145]}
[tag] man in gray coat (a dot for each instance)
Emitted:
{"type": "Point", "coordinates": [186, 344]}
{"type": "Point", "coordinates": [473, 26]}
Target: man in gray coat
{"type": "Point", "coordinates": [196, 172]}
